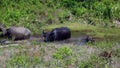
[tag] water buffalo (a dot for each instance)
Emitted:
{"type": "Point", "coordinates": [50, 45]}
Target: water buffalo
{"type": "Point", "coordinates": [57, 34]}
{"type": "Point", "coordinates": [15, 33]}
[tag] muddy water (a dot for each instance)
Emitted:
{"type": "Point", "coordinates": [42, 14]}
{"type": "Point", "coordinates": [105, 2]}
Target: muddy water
{"type": "Point", "coordinates": [77, 38]}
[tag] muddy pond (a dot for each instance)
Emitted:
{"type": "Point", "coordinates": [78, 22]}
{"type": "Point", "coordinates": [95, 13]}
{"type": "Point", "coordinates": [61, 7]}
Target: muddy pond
{"type": "Point", "coordinates": [77, 38]}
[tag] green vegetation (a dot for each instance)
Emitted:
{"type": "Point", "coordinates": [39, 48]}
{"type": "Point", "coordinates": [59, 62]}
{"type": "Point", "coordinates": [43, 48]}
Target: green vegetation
{"type": "Point", "coordinates": [97, 18]}
{"type": "Point", "coordinates": [35, 13]}
{"type": "Point", "coordinates": [53, 55]}
{"type": "Point", "coordinates": [63, 56]}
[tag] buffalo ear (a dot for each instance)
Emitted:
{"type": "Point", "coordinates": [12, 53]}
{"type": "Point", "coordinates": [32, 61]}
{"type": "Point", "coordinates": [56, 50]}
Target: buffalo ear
{"type": "Point", "coordinates": [43, 32]}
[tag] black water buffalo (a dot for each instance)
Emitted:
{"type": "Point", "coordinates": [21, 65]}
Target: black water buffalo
{"type": "Point", "coordinates": [57, 34]}
{"type": "Point", "coordinates": [15, 33]}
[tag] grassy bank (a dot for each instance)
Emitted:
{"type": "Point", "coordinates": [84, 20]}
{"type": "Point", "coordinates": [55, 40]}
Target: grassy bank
{"type": "Point", "coordinates": [44, 55]}
{"type": "Point", "coordinates": [86, 29]}
{"type": "Point", "coordinates": [35, 14]}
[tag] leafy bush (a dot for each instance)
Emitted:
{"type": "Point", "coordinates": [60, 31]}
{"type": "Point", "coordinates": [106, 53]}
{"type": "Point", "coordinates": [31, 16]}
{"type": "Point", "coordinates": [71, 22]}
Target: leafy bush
{"type": "Point", "coordinates": [63, 56]}
{"type": "Point", "coordinates": [115, 11]}
{"type": "Point", "coordinates": [79, 11]}
{"type": "Point", "coordinates": [63, 52]}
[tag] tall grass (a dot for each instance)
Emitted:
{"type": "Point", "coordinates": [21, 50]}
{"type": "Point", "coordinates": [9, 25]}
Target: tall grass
{"type": "Point", "coordinates": [38, 13]}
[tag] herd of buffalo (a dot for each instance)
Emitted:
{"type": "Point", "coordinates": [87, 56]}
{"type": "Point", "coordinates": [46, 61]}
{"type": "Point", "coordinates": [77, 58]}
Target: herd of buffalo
{"type": "Point", "coordinates": [21, 33]}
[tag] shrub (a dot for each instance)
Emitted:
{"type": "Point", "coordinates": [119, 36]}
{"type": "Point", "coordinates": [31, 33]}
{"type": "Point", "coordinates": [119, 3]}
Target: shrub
{"type": "Point", "coordinates": [63, 56]}
{"type": "Point", "coordinates": [62, 53]}
{"type": "Point", "coordinates": [79, 11]}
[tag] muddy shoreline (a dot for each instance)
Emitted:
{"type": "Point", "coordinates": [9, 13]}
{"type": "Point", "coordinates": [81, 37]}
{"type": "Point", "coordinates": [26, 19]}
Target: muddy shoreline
{"type": "Point", "coordinates": [77, 38]}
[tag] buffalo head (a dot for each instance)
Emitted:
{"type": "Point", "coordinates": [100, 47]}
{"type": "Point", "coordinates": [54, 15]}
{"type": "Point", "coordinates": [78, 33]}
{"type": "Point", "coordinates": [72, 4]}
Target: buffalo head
{"type": "Point", "coordinates": [48, 36]}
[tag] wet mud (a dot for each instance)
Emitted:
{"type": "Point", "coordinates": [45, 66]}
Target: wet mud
{"type": "Point", "coordinates": [77, 38]}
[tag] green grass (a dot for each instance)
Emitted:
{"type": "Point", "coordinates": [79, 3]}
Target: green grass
{"type": "Point", "coordinates": [93, 18]}
{"type": "Point", "coordinates": [44, 55]}
{"type": "Point", "coordinates": [73, 26]}
{"type": "Point", "coordinates": [59, 55]}
{"type": "Point", "coordinates": [56, 55]}
{"type": "Point", "coordinates": [35, 14]}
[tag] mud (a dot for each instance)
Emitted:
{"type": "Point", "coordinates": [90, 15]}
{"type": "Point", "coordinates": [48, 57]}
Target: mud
{"type": "Point", "coordinates": [77, 38]}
